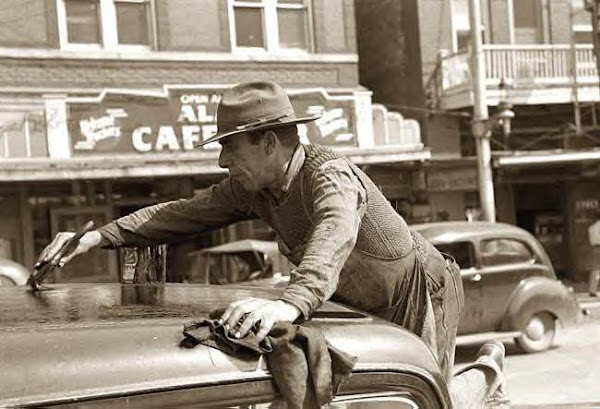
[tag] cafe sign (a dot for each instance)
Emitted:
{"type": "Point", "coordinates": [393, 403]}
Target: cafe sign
{"type": "Point", "coordinates": [119, 122]}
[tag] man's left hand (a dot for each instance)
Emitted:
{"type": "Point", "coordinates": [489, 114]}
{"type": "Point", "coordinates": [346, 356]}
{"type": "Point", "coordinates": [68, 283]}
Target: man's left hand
{"type": "Point", "coordinates": [268, 312]}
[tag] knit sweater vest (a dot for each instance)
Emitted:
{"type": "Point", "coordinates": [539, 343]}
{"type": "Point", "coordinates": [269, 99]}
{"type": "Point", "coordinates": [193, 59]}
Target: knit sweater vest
{"type": "Point", "coordinates": [383, 233]}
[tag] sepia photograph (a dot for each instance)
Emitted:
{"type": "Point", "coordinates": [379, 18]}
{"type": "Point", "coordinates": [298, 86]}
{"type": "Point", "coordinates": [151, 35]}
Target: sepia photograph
{"type": "Point", "coordinates": [300, 204]}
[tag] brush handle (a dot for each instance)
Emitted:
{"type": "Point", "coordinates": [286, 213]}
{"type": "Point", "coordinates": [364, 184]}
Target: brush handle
{"type": "Point", "coordinates": [41, 270]}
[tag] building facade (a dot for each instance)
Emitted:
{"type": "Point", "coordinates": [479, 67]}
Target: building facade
{"type": "Point", "coordinates": [539, 57]}
{"type": "Point", "coordinates": [102, 101]}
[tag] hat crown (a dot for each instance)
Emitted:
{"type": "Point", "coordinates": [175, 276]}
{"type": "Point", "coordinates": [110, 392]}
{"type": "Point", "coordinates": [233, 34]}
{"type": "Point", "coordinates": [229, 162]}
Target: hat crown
{"type": "Point", "coordinates": [252, 103]}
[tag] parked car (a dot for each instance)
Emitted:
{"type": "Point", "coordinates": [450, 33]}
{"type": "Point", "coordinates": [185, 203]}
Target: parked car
{"type": "Point", "coordinates": [249, 262]}
{"type": "Point", "coordinates": [116, 345]}
{"type": "Point", "coordinates": [510, 285]}
{"type": "Point", "coordinates": [12, 273]}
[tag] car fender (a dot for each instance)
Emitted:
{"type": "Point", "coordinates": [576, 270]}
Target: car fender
{"type": "Point", "coordinates": [14, 271]}
{"type": "Point", "coordinates": [536, 294]}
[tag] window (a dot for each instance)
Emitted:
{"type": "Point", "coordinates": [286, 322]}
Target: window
{"type": "Point", "coordinates": [462, 251]}
{"type": "Point", "coordinates": [504, 251]}
{"type": "Point", "coordinates": [270, 25]}
{"type": "Point", "coordinates": [461, 25]}
{"type": "Point", "coordinates": [105, 24]}
{"type": "Point", "coordinates": [583, 34]}
{"type": "Point", "coordinates": [22, 132]}
{"type": "Point", "coordinates": [527, 16]}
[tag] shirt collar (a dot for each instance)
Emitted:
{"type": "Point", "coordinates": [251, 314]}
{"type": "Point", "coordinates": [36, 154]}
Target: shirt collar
{"type": "Point", "coordinates": [293, 167]}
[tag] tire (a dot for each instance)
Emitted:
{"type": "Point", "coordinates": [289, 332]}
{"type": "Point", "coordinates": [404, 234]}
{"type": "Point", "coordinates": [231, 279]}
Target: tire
{"type": "Point", "coordinates": [538, 333]}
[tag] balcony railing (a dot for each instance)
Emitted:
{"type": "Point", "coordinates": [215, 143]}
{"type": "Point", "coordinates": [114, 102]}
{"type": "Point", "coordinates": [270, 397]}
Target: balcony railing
{"type": "Point", "coordinates": [522, 65]}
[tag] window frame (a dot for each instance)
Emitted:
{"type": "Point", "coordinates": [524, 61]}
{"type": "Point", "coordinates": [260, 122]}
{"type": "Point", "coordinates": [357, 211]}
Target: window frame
{"type": "Point", "coordinates": [109, 34]}
{"type": "Point", "coordinates": [534, 259]}
{"type": "Point", "coordinates": [270, 27]}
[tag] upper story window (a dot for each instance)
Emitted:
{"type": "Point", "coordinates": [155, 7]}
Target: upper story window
{"type": "Point", "coordinates": [461, 25]}
{"type": "Point", "coordinates": [270, 25]}
{"type": "Point", "coordinates": [105, 24]}
{"type": "Point", "coordinates": [528, 18]}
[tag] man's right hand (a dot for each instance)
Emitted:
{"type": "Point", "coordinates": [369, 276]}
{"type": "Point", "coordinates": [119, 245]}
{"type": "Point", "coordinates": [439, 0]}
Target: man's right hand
{"type": "Point", "coordinates": [86, 243]}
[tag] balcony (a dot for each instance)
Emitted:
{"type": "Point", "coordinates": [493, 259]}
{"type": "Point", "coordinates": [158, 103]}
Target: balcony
{"type": "Point", "coordinates": [538, 74]}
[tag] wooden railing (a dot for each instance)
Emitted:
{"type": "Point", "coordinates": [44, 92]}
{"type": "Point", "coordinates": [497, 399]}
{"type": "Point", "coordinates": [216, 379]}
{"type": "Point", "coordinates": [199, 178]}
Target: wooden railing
{"type": "Point", "coordinates": [535, 65]}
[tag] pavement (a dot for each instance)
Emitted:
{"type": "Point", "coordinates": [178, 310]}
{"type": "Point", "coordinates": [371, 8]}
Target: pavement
{"type": "Point", "coordinates": [590, 304]}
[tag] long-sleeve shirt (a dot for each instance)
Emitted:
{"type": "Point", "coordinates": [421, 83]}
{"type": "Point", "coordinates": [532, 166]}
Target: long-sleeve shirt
{"type": "Point", "coordinates": [318, 221]}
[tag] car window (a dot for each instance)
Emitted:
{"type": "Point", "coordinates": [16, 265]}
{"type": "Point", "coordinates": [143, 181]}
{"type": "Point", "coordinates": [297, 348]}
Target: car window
{"type": "Point", "coordinates": [504, 251]}
{"type": "Point", "coordinates": [462, 251]}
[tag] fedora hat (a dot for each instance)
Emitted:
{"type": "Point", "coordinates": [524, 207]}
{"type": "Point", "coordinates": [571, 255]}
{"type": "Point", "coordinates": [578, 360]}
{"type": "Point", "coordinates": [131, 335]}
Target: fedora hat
{"type": "Point", "coordinates": [254, 106]}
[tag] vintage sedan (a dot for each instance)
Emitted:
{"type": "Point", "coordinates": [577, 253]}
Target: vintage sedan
{"type": "Point", "coordinates": [117, 345]}
{"type": "Point", "coordinates": [510, 286]}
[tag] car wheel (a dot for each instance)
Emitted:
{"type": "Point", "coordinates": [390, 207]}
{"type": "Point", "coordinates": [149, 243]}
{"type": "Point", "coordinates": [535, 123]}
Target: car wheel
{"type": "Point", "coordinates": [538, 333]}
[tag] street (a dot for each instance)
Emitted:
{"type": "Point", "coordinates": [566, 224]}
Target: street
{"type": "Point", "coordinates": [565, 376]}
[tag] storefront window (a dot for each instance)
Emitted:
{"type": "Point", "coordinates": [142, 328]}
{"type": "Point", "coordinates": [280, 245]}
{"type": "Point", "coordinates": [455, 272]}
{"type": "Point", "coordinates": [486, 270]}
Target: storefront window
{"type": "Point", "coordinates": [22, 133]}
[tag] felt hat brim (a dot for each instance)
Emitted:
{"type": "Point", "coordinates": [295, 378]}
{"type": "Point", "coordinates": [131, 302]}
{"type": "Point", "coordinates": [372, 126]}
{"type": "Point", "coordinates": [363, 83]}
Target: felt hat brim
{"type": "Point", "coordinates": [261, 127]}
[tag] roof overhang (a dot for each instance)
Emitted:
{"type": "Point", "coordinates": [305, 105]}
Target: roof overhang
{"type": "Point", "coordinates": [538, 158]}
{"type": "Point", "coordinates": [168, 165]}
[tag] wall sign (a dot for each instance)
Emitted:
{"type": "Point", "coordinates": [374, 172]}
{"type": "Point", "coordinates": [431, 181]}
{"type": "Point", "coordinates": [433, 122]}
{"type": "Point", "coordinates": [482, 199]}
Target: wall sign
{"type": "Point", "coordinates": [136, 123]}
{"type": "Point", "coordinates": [452, 179]}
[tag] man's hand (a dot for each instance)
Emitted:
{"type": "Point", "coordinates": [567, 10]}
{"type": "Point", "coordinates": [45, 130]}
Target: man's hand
{"type": "Point", "coordinates": [268, 312]}
{"type": "Point", "coordinates": [86, 243]}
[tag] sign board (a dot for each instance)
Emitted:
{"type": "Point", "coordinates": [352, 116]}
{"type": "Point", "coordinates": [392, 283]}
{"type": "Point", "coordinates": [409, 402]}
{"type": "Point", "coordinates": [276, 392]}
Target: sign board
{"type": "Point", "coordinates": [119, 122]}
{"type": "Point", "coordinates": [452, 179]}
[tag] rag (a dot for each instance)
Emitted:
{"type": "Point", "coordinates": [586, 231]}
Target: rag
{"type": "Point", "coordinates": [307, 370]}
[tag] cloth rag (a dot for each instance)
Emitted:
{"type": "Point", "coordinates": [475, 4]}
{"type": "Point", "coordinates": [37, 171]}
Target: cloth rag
{"type": "Point", "coordinates": [307, 370]}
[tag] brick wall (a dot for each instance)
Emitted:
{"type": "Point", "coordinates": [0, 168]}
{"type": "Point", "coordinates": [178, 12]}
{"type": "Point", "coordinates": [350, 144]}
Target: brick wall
{"type": "Point", "coordinates": [200, 25]}
{"type": "Point", "coordinates": [388, 48]}
{"type": "Point", "coordinates": [334, 27]}
{"type": "Point", "coordinates": [65, 74]}
{"type": "Point", "coordinates": [435, 30]}
{"type": "Point", "coordinates": [28, 23]}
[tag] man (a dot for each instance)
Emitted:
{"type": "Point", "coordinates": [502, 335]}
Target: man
{"type": "Point", "coordinates": [333, 223]}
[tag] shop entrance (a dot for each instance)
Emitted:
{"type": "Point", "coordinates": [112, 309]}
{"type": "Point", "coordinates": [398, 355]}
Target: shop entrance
{"type": "Point", "coordinates": [540, 209]}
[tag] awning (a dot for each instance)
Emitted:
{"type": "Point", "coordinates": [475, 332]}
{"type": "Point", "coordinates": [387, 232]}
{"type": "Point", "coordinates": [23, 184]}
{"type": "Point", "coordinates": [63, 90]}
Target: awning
{"type": "Point", "coordinates": [167, 165]}
{"type": "Point", "coordinates": [556, 157]}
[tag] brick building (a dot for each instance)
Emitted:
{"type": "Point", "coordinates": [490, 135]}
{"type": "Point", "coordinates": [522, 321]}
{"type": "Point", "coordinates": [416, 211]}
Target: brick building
{"type": "Point", "coordinates": [414, 56]}
{"type": "Point", "coordinates": [101, 102]}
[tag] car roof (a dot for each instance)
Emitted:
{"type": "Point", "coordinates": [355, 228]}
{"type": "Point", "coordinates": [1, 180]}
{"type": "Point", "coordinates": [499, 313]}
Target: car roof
{"type": "Point", "coordinates": [79, 341]}
{"type": "Point", "coordinates": [443, 232]}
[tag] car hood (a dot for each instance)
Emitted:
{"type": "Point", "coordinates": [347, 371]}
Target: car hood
{"type": "Point", "coordinates": [74, 342]}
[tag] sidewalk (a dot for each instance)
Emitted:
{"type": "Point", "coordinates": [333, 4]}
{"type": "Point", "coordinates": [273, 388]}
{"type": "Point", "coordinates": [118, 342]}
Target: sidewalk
{"type": "Point", "coordinates": [589, 304]}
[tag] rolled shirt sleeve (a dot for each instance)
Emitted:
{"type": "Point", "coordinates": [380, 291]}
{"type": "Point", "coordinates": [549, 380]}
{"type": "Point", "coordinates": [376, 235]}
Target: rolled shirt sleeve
{"type": "Point", "coordinates": [211, 208]}
{"type": "Point", "coordinates": [339, 202]}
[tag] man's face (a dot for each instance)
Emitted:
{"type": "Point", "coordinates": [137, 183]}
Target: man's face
{"type": "Point", "coordinates": [247, 163]}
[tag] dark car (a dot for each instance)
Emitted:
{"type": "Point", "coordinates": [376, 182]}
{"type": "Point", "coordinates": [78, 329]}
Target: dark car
{"type": "Point", "coordinates": [510, 286]}
{"type": "Point", "coordinates": [117, 345]}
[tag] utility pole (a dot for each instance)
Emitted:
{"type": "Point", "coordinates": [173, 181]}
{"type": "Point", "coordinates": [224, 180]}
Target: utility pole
{"type": "Point", "coordinates": [573, 72]}
{"type": "Point", "coordinates": [480, 124]}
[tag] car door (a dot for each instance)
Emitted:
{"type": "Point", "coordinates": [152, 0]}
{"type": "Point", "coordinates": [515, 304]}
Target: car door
{"type": "Point", "coordinates": [464, 254]}
{"type": "Point", "coordinates": [504, 262]}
